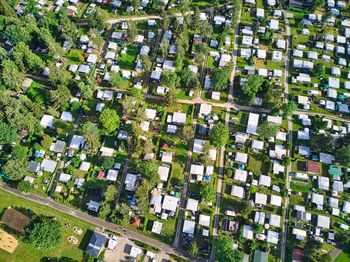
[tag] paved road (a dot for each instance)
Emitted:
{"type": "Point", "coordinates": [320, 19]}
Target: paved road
{"type": "Point", "coordinates": [222, 150]}
{"type": "Point", "coordinates": [290, 137]}
{"type": "Point", "coordinates": [98, 222]}
{"type": "Point", "coordinates": [184, 190]}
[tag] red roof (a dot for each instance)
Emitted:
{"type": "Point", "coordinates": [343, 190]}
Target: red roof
{"type": "Point", "coordinates": [101, 175]}
{"type": "Point", "coordinates": [313, 167]}
{"type": "Point", "coordinates": [297, 255]}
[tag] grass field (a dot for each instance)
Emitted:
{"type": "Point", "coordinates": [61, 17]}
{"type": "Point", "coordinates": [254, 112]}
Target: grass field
{"type": "Point", "coordinates": [26, 252]}
{"type": "Point", "coordinates": [344, 256]}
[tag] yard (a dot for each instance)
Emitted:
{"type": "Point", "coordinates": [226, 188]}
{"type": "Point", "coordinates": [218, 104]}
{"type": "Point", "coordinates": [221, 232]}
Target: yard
{"type": "Point", "coordinates": [63, 249]}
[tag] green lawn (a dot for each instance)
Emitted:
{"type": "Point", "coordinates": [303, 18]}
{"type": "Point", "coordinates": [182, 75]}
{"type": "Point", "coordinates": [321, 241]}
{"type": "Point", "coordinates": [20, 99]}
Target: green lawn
{"type": "Point", "coordinates": [127, 61]}
{"type": "Point", "coordinates": [344, 256]}
{"type": "Point", "coordinates": [26, 252]}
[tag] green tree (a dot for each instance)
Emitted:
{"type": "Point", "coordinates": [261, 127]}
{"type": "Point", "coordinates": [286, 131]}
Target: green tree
{"type": "Point", "coordinates": [58, 76]}
{"type": "Point", "coordinates": [91, 135]}
{"type": "Point", "coordinates": [59, 97]}
{"type": "Point", "coordinates": [134, 108]}
{"type": "Point", "coordinates": [319, 123]}
{"type": "Point", "coordinates": [311, 250]}
{"type": "Point", "coordinates": [343, 156]}
{"type": "Point", "coordinates": [11, 75]}
{"type": "Point", "coordinates": [96, 20]}
{"type": "Point", "coordinates": [194, 249]}
{"type": "Point", "coordinates": [267, 130]}
{"type": "Point", "coordinates": [108, 162]}
{"type": "Point", "coordinates": [170, 96]}
{"type": "Point", "coordinates": [146, 62]}
{"type": "Point", "coordinates": [224, 251]}
{"type": "Point", "coordinates": [319, 70]}
{"type": "Point", "coordinates": [43, 232]}
{"type": "Point", "coordinates": [289, 108]}
{"type": "Point", "coordinates": [24, 186]}
{"type": "Point", "coordinates": [207, 192]}
{"type": "Point", "coordinates": [189, 79]}
{"type": "Point", "coordinates": [170, 79]}
{"type": "Point", "coordinates": [19, 152]}
{"type": "Point", "coordinates": [149, 169]}
{"type": "Point", "coordinates": [110, 193]}
{"type": "Point", "coordinates": [321, 143]}
{"type": "Point", "coordinates": [132, 30]}
{"type": "Point", "coordinates": [16, 169]}
{"type": "Point", "coordinates": [252, 87]}
{"type": "Point", "coordinates": [116, 79]}
{"type": "Point", "coordinates": [109, 120]}
{"type": "Point", "coordinates": [142, 195]}
{"type": "Point", "coordinates": [219, 135]}
{"type": "Point", "coordinates": [7, 133]}
{"type": "Point", "coordinates": [245, 208]}
{"type": "Point", "coordinates": [220, 77]}
{"type": "Point", "coordinates": [286, 161]}
{"type": "Point", "coordinates": [187, 132]}
{"type": "Point", "coordinates": [121, 214]}
{"type": "Point", "coordinates": [46, 141]}
{"type": "Point", "coordinates": [86, 89]}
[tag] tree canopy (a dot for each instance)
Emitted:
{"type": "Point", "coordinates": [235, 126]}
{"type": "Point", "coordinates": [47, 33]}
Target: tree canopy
{"type": "Point", "coordinates": [224, 251]}
{"type": "Point", "coordinates": [43, 232]}
{"type": "Point", "coordinates": [109, 120]}
{"type": "Point", "coordinates": [343, 156]}
{"type": "Point", "coordinates": [16, 168]}
{"type": "Point", "coordinates": [267, 130]}
{"type": "Point", "coordinates": [220, 77]}
{"type": "Point", "coordinates": [219, 135]}
{"type": "Point", "coordinates": [208, 193]}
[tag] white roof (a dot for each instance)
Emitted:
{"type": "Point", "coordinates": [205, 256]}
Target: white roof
{"type": "Point", "coordinates": [276, 200]}
{"type": "Point", "coordinates": [317, 199]}
{"type": "Point", "coordinates": [204, 220]}
{"type": "Point", "coordinates": [248, 232]}
{"type": "Point", "coordinates": [192, 205]}
{"type": "Point", "coordinates": [259, 145]}
{"type": "Point", "coordinates": [323, 183]}
{"type": "Point", "coordinates": [64, 178]}
{"type": "Point", "coordinates": [241, 157]}
{"type": "Point", "coordinates": [167, 157]}
{"type": "Point", "coordinates": [92, 58]}
{"type": "Point", "coordinates": [237, 191]}
{"type": "Point", "coordinates": [260, 198]}
{"type": "Point", "coordinates": [264, 180]}
{"type": "Point", "coordinates": [179, 118]}
{"type": "Point", "coordinates": [130, 182]}
{"type": "Point", "coordinates": [346, 207]}
{"type": "Point", "coordinates": [275, 220]}
{"type": "Point", "coordinates": [240, 175]}
{"type": "Point", "coordinates": [76, 142]}
{"type": "Point", "coordinates": [150, 113]}
{"type": "Point", "coordinates": [67, 116]}
{"type": "Point", "coordinates": [323, 221]}
{"type": "Point", "coordinates": [197, 169]}
{"type": "Point", "coordinates": [274, 24]}
{"type": "Point", "coordinates": [253, 121]}
{"type": "Point", "coordinates": [163, 172]}
{"type": "Point", "coordinates": [272, 237]}
{"type": "Point", "coordinates": [170, 203]}
{"type": "Point", "coordinates": [157, 227]}
{"type": "Point", "coordinates": [48, 165]}
{"type": "Point", "coordinates": [112, 175]}
{"type": "Point", "coordinates": [198, 146]}
{"type": "Point", "coordinates": [46, 121]}
{"type": "Point", "coordinates": [205, 109]}
{"type": "Point", "coordinates": [189, 227]}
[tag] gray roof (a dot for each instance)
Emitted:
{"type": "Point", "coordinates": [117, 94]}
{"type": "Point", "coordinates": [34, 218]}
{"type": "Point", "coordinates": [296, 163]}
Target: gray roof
{"type": "Point", "coordinates": [95, 245]}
